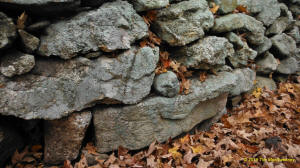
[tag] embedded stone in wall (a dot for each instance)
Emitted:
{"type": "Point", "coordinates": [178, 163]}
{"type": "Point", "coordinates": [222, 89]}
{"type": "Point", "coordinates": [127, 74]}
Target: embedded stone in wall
{"type": "Point", "coordinates": [16, 63]}
{"type": "Point", "coordinates": [226, 6]}
{"type": "Point", "coordinates": [144, 5]}
{"type": "Point", "coordinates": [235, 39]}
{"type": "Point", "coordinates": [113, 26]}
{"type": "Point", "coordinates": [267, 63]}
{"type": "Point", "coordinates": [268, 83]}
{"type": "Point", "coordinates": [7, 31]}
{"type": "Point", "coordinates": [295, 34]}
{"type": "Point", "coordinates": [242, 56]}
{"type": "Point", "coordinates": [63, 137]}
{"type": "Point", "coordinates": [51, 6]}
{"type": "Point", "coordinates": [29, 42]}
{"type": "Point", "coordinates": [288, 66]}
{"type": "Point", "coordinates": [240, 21]}
{"type": "Point", "coordinates": [204, 53]}
{"type": "Point", "coordinates": [56, 88]}
{"type": "Point", "coordinates": [158, 118]}
{"type": "Point", "coordinates": [265, 46]}
{"type": "Point", "coordinates": [245, 81]}
{"type": "Point", "coordinates": [183, 22]}
{"type": "Point", "coordinates": [283, 45]}
{"type": "Point", "coordinates": [167, 84]}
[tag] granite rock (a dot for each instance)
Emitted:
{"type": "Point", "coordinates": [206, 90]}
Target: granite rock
{"type": "Point", "coordinates": [167, 84]}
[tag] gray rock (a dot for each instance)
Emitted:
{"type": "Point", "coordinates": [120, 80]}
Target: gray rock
{"type": "Point", "coordinates": [205, 125]}
{"type": "Point", "coordinates": [63, 137]}
{"type": "Point", "coordinates": [167, 84]}
{"type": "Point", "coordinates": [268, 83]}
{"type": "Point", "coordinates": [288, 66]}
{"type": "Point", "coordinates": [245, 81]}
{"type": "Point", "coordinates": [144, 5]}
{"type": "Point", "coordinates": [111, 27]}
{"type": "Point", "coordinates": [62, 87]}
{"type": "Point", "coordinates": [240, 21]}
{"type": "Point", "coordinates": [267, 11]}
{"type": "Point", "coordinates": [184, 22]}
{"type": "Point", "coordinates": [279, 26]}
{"type": "Point", "coordinates": [241, 56]}
{"type": "Point", "coordinates": [235, 39]}
{"type": "Point", "coordinates": [29, 42]}
{"type": "Point", "coordinates": [294, 9]}
{"type": "Point", "coordinates": [48, 6]}
{"type": "Point", "coordinates": [206, 52]}
{"type": "Point", "coordinates": [16, 63]}
{"type": "Point", "coordinates": [283, 45]}
{"type": "Point", "coordinates": [38, 26]}
{"type": "Point", "coordinates": [236, 100]}
{"type": "Point", "coordinates": [265, 46]}
{"type": "Point", "coordinates": [267, 64]}
{"type": "Point", "coordinates": [7, 31]}
{"type": "Point", "coordinates": [92, 158]}
{"type": "Point", "coordinates": [158, 118]}
{"type": "Point", "coordinates": [226, 6]}
{"type": "Point", "coordinates": [294, 33]}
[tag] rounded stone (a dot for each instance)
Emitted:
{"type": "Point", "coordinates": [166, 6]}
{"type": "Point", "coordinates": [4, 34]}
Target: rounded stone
{"type": "Point", "coordinates": [167, 84]}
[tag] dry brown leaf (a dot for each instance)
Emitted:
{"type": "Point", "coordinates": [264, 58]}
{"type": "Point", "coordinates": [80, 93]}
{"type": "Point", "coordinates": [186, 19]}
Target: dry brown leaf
{"type": "Point", "coordinates": [82, 163]}
{"type": "Point", "coordinates": [21, 21]}
{"type": "Point", "coordinates": [91, 149]}
{"type": "Point", "coordinates": [151, 162]}
{"type": "Point", "coordinates": [214, 8]}
{"type": "Point", "coordinates": [151, 149]}
{"type": "Point", "coordinates": [242, 9]}
{"type": "Point", "coordinates": [18, 157]}
{"type": "Point", "coordinates": [203, 76]}
{"type": "Point", "coordinates": [67, 164]}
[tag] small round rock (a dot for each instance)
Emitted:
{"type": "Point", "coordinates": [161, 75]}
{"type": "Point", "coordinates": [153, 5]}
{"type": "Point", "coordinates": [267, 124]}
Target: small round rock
{"type": "Point", "coordinates": [167, 84]}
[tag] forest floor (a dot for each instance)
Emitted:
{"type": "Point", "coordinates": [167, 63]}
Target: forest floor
{"type": "Point", "coordinates": [263, 131]}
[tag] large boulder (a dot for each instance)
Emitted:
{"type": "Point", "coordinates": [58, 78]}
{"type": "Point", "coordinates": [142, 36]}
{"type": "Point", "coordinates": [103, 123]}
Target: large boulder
{"type": "Point", "coordinates": [158, 118]}
{"type": "Point", "coordinates": [144, 5]}
{"type": "Point", "coordinates": [57, 88]}
{"type": "Point", "coordinates": [48, 6]}
{"type": "Point", "coordinates": [206, 52]}
{"type": "Point", "coordinates": [113, 26]}
{"type": "Point", "coordinates": [7, 31]}
{"type": "Point", "coordinates": [63, 137]}
{"type": "Point", "coordinates": [244, 22]}
{"type": "Point", "coordinates": [183, 22]}
{"type": "Point", "coordinates": [16, 63]}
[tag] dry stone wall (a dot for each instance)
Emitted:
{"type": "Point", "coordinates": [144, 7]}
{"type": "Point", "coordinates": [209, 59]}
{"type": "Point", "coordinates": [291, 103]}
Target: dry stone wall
{"type": "Point", "coordinates": [74, 64]}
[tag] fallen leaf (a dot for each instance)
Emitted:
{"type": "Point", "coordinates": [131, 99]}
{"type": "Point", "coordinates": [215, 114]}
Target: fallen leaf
{"type": "Point", "coordinates": [214, 8]}
{"type": "Point", "coordinates": [203, 76]}
{"type": "Point", "coordinates": [151, 149]}
{"type": "Point", "coordinates": [21, 21]}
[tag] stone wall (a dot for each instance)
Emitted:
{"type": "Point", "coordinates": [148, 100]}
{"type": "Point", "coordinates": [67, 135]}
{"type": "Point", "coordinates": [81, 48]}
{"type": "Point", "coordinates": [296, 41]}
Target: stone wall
{"type": "Point", "coordinates": [67, 65]}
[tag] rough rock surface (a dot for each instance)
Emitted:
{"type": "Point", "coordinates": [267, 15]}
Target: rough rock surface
{"type": "Point", "coordinates": [49, 6]}
{"type": "Point", "coordinates": [226, 6]}
{"type": "Point", "coordinates": [16, 63]}
{"type": "Point", "coordinates": [7, 31]}
{"type": "Point", "coordinates": [63, 137]}
{"type": "Point", "coordinates": [209, 51]}
{"type": "Point", "coordinates": [245, 81]}
{"type": "Point", "coordinates": [167, 84]}
{"type": "Point", "coordinates": [240, 21]}
{"type": "Point", "coordinates": [241, 56]}
{"type": "Point", "coordinates": [268, 83]}
{"type": "Point", "coordinates": [283, 45]}
{"type": "Point", "coordinates": [288, 66]}
{"type": "Point", "coordinates": [113, 26]}
{"type": "Point", "coordinates": [159, 118]}
{"type": "Point", "coordinates": [267, 63]}
{"type": "Point", "coordinates": [295, 34]}
{"type": "Point", "coordinates": [29, 42]}
{"type": "Point", "coordinates": [61, 87]}
{"type": "Point", "coordinates": [235, 39]}
{"type": "Point", "coordinates": [184, 22]}
{"type": "Point", "coordinates": [144, 5]}
{"type": "Point", "coordinates": [265, 46]}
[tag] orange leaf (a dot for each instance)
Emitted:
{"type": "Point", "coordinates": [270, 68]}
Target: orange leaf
{"type": "Point", "coordinates": [242, 9]}
{"type": "Point", "coordinates": [215, 8]}
{"type": "Point", "coordinates": [203, 76]}
{"type": "Point", "coordinates": [21, 21]}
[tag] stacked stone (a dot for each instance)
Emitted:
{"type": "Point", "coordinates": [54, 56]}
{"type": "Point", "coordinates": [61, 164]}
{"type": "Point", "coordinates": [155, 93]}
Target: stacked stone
{"type": "Point", "coordinates": [89, 66]}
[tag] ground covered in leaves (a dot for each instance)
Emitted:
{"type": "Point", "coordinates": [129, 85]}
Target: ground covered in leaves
{"type": "Point", "coordinates": [263, 131]}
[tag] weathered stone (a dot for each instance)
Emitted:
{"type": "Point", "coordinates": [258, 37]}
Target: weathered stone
{"type": "Point", "coordinates": [94, 54]}
{"type": "Point", "coordinates": [265, 46]}
{"type": "Point", "coordinates": [167, 84]}
{"type": "Point", "coordinates": [235, 39]}
{"type": "Point", "coordinates": [205, 125]}
{"type": "Point", "coordinates": [92, 159]}
{"type": "Point", "coordinates": [38, 26]}
{"type": "Point", "coordinates": [7, 31]}
{"type": "Point", "coordinates": [16, 63]}
{"type": "Point", "coordinates": [288, 66]}
{"type": "Point", "coordinates": [48, 6]}
{"type": "Point", "coordinates": [268, 83]}
{"type": "Point", "coordinates": [62, 87]}
{"type": "Point", "coordinates": [144, 5]}
{"type": "Point", "coordinates": [278, 26]}
{"type": "Point", "coordinates": [10, 141]}
{"type": "Point", "coordinates": [158, 118]}
{"type": "Point", "coordinates": [184, 22]}
{"type": "Point", "coordinates": [283, 45]}
{"type": "Point", "coordinates": [235, 100]}
{"type": "Point", "coordinates": [267, 11]}
{"type": "Point", "coordinates": [63, 137]}
{"type": "Point", "coordinates": [29, 42]}
{"type": "Point", "coordinates": [241, 56]}
{"type": "Point", "coordinates": [245, 81]}
{"type": "Point", "coordinates": [294, 33]}
{"type": "Point", "coordinates": [267, 64]}
{"type": "Point", "coordinates": [209, 51]}
{"type": "Point", "coordinates": [226, 6]}
{"type": "Point", "coordinates": [111, 27]}
{"type": "Point", "coordinates": [240, 21]}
